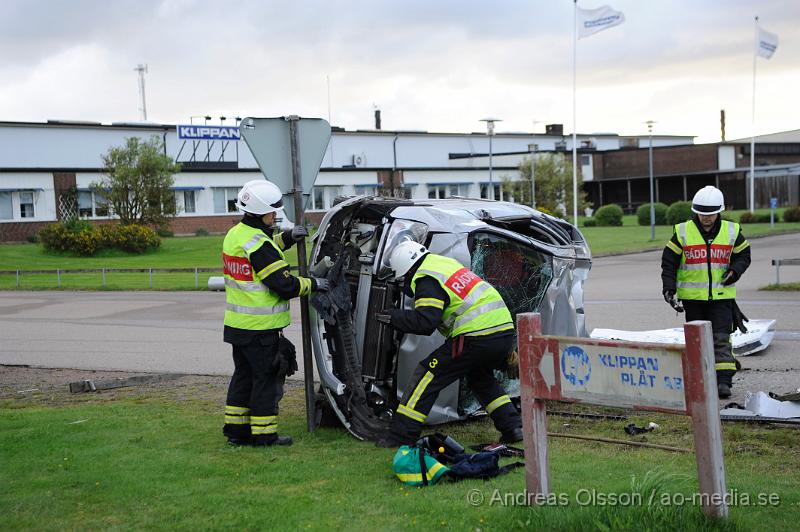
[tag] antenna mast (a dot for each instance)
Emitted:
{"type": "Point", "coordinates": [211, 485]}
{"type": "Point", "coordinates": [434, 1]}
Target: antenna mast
{"type": "Point", "coordinates": [142, 70]}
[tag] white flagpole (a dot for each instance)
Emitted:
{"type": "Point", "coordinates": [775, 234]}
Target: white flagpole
{"type": "Point", "coordinates": [753, 124]}
{"type": "Point", "coordinates": [574, 119]}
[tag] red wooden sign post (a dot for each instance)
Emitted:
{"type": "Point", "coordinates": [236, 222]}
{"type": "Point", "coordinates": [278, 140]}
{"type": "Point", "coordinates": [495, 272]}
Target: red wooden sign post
{"type": "Point", "coordinates": [642, 376]}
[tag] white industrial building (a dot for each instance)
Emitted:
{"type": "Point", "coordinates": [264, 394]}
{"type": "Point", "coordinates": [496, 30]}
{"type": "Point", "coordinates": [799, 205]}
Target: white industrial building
{"type": "Point", "coordinates": [39, 161]}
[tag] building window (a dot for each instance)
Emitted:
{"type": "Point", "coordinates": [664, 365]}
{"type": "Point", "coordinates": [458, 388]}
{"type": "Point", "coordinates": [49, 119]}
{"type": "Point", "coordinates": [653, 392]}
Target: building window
{"type": "Point", "coordinates": [85, 204]}
{"type": "Point", "coordinates": [100, 203]}
{"type": "Point", "coordinates": [91, 205]}
{"type": "Point", "coordinates": [6, 210]}
{"type": "Point", "coordinates": [322, 198]}
{"type": "Point", "coordinates": [492, 192]}
{"type": "Point", "coordinates": [366, 190]}
{"type": "Point", "coordinates": [447, 191]}
{"type": "Point", "coordinates": [586, 160]}
{"type": "Point", "coordinates": [26, 205]}
{"type": "Point", "coordinates": [189, 204]}
{"type": "Point", "coordinates": [225, 199]}
{"type": "Point", "coordinates": [408, 191]}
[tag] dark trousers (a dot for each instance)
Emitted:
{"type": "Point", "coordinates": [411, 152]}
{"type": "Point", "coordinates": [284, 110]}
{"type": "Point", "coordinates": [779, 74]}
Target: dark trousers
{"type": "Point", "coordinates": [479, 357]}
{"type": "Point", "coordinates": [720, 314]}
{"type": "Point", "coordinates": [251, 409]}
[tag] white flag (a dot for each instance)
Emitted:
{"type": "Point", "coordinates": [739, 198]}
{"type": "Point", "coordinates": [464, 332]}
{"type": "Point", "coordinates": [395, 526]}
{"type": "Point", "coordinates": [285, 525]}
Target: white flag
{"type": "Point", "coordinates": [767, 43]}
{"type": "Point", "coordinates": [591, 21]}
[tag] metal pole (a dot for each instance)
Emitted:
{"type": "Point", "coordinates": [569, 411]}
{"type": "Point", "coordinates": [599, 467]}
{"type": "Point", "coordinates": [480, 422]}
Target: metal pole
{"type": "Point", "coordinates": [104, 277]}
{"type": "Point", "coordinates": [533, 177]}
{"type": "Point", "coordinates": [652, 196]}
{"type": "Point", "coordinates": [753, 125]}
{"type": "Point", "coordinates": [574, 117]}
{"type": "Point", "coordinates": [196, 280]}
{"type": "Point", "coordinates": [17, 278]}
{"type": "Point", "coordinates": [308, 363]}
{"type": "Point", "coordinates": [58, 276]}
{"type": "Point", "coordinates": [491, 183]}
{"type": "Point", "coordinates": [151, 277]}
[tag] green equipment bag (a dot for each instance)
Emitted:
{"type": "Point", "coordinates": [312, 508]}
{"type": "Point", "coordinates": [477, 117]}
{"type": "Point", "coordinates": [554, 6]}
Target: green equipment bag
{"type": "Point", "coordinates": [415, 467]}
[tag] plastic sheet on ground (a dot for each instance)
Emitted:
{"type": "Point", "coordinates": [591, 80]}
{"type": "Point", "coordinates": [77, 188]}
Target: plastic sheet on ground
{"type": "Point", "coordinates": [757, 338]}
{"type": "Point", "coordinates": [759, 404]}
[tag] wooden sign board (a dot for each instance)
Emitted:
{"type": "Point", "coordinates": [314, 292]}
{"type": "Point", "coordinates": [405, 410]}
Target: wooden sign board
{"type": "Point", "coordinates": [670, 378]}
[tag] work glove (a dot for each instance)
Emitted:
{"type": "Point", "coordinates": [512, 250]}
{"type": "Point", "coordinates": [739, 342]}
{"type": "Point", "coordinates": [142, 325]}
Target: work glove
{"type": "Point", "coordinates": [321, 284]}
{"type": "Point", "coordinates": [285, 362]}
{"type": "Point", "coordinates": [512, 365]}
{"type": "Point", "coordinates": [384, 317]}
{"type": "Point", "coordinates": [729, 278]}
{"type": "Point", "coordinates": [299, 232]}
{"type": "Point", "coordinates": [669, 297]}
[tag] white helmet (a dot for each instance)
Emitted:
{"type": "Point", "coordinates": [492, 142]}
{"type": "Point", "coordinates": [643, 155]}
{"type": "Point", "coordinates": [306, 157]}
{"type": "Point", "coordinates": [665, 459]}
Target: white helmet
{"type": "Point", "coordinates": [708, 200]}
{"type": "Point", "coordinates": [404, 256]}
{"type": "Point", "coordinates": [259, 197]}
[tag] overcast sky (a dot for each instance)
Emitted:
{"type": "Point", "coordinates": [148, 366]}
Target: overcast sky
{"type": "Point", "coordinates": [437, 65]}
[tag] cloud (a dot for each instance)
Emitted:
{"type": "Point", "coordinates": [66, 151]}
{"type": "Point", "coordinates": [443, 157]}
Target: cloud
{"type": "Point", "coordinates": [435, 65]}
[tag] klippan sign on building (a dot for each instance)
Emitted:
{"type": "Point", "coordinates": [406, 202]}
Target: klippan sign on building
{"type": "Point", "coordinates": [195, 132]}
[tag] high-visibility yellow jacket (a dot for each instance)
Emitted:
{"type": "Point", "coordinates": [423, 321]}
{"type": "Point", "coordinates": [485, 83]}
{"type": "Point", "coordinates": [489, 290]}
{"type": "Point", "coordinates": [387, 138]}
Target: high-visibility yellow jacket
{"type": "Point", "coordinates": [704, 264]}
{"type": "Point", "coordinates": [475, 307]}
{"type": "Point", "coordinates": [249, 303]}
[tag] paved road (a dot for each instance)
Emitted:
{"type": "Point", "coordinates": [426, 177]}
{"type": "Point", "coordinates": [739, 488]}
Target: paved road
{"type": "Point", "coordinates": [182, 331]}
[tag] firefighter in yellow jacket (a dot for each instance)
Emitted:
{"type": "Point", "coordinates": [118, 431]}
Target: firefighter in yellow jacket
{"type": "Point", "coordinates": [258, 286]}
{"type": "Point", "coordinates": [700, 265]}
{"type": "Point", "coordinates": [479, 337]}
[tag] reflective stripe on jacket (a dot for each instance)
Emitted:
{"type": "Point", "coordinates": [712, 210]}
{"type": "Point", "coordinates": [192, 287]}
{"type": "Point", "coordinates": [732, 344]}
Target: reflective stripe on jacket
{"type": "Point", "coordinates": [249, 303]}
{"type": "Point", "coordinates": [703, 265]}
{"type": "Point", "coordinates": [475, 307]}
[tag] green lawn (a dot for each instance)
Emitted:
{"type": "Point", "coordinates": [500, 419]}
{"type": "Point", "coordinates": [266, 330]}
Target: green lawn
{"type": "Point", "coordinates": [150, 459]}
{"type": "Point", "coordinates": [632, 237]}
{"type": "Point", "coordinates": [204, 252]}
{"type": "Point", "coordinates": [783, 287]}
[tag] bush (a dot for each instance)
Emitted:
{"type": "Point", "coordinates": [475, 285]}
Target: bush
{"type": "Point", "coordinates": [678, 212]}
{"type": "Point", "coordinates": [85, 240]}
{"type": "Point", "coordinates": [792, 214]}
{"type": "Point", "coordinates": [754, 218]}
{"type": "Point", "coordinates": [33, 239]}
{"type": "Point", "coordinates": [747, 218]}
{"type": "Point", "coordinates": [609, 215]}
{"type": "Point", "coordinates": [165, 232]}
{"type": "Point", "coordinates": [643, 214]}
{"type": "Point", "coordinates": [201, 232]}
{"type": "Point", "coordinates": [590, 222]}
{"type": "Point", "coordinates": [135, 238]}
{"type": "Point", "coordinates": [727, 215]}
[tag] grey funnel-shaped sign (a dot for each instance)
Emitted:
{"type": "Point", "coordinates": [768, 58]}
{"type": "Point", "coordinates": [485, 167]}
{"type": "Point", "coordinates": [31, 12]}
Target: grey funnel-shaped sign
{"type": "Point", "coordinates": [270, 143]}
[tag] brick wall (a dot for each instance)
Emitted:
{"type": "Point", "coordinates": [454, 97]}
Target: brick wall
{"type": "Point", "coordinates": [19, 231]}
{"type": "Point", "coordinates": [187, 225]}
{"type": "Point", "coordinates": [666, 161]}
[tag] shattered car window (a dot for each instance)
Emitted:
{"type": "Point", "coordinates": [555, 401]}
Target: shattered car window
{"type": "Point", "coordinates": [520, 273]}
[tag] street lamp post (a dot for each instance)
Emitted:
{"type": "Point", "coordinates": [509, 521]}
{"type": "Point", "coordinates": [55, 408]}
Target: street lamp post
{"type": "Point", "coordinates": [490, 132]}
{"type": "Point", "coordinates": [652, 199]}
{"type": "Point", "coordinates": [532, 148]}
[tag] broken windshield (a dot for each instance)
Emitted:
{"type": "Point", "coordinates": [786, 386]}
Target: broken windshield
{"type": "Point", "coordinates": [519, 272]}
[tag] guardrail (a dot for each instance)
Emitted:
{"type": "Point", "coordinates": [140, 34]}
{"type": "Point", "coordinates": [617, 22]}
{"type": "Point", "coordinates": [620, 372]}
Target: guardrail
{"type": "Point", "coordinates": [783, 262]}
{"type": "Point", "coordinates": [104, 271]}
{"type": "Point", "coordinates": [18, 274]}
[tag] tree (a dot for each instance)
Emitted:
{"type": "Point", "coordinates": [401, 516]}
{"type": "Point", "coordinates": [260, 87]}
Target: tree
{"type": "Point", "coordinates": [553, 185]}
{"type": "Point", "coordinates": [136, 182]}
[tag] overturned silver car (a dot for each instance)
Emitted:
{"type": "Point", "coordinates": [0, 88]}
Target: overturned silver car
{"type": "Point", "coordinates": [537, 263]}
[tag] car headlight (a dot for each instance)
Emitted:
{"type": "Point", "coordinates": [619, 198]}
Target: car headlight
{"type": "Point", "coordinates": [399, 231]}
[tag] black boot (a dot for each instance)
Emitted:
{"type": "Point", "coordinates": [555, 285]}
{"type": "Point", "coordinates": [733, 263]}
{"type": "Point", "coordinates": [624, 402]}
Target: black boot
{"type": "Point", "coordinates": [270, 440]}
{"type": "Point", "coordinates": [723, 390]}
{"type": "Point", "coordinates": [511, 436]}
